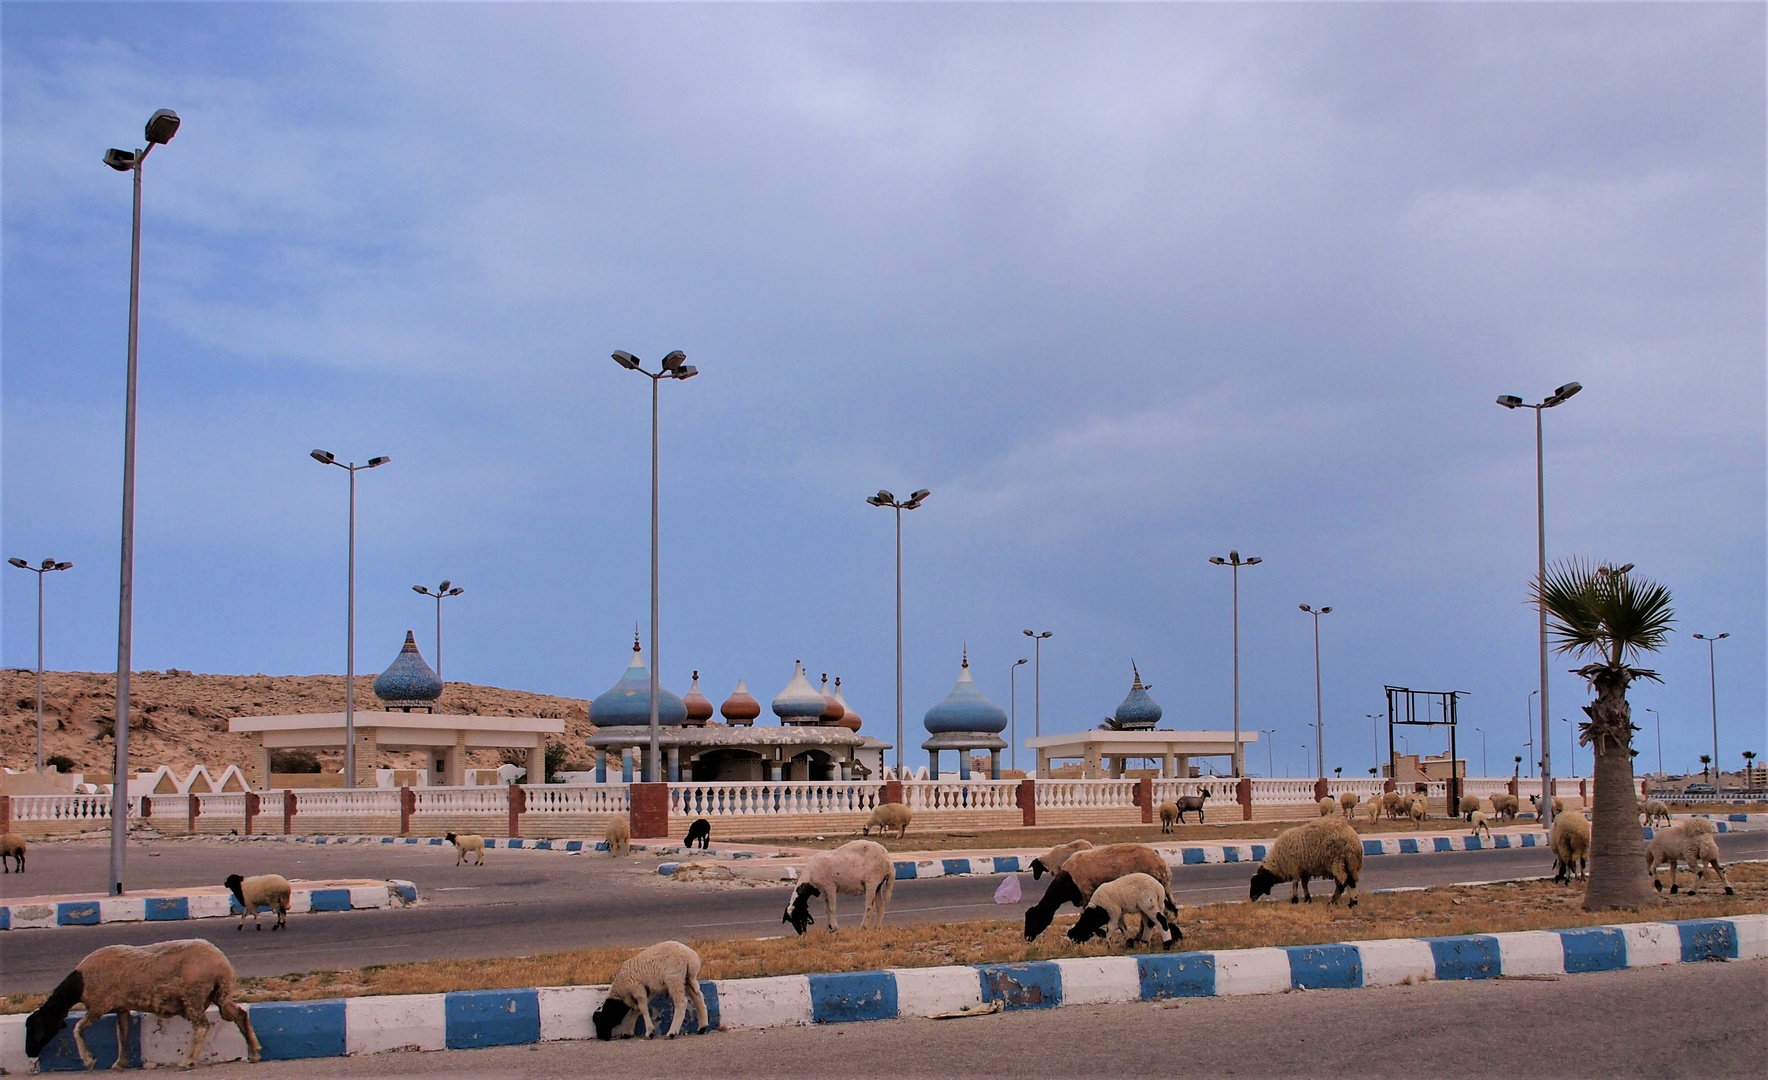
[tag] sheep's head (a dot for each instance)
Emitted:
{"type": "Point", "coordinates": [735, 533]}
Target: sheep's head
{"type": "Point", "coordinates": [1203, 793]}
{"type": "Point", "coordinates": [448, 837]}
{"type": "Point", "coordinates": [1263, 881]}
{"type": "Point", "coordinates": [1091, 924]}
{"type": "Point", "coordinates": [1039, 916]}
{"type": "Point", "coordinates": [798, 911]}
{"type": "Point", "coordinates": [51, 1017]}
{"type": "Point", "coordinates": [233, 883]}
{"type": "Point", "coordinates": [1038, 869]}
{"type": "Point", "coordinates": [608, 1017]}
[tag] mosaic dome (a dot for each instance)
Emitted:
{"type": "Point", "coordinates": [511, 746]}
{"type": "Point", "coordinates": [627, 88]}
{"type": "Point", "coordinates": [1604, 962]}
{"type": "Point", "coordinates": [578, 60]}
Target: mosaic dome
{"type": "Point", "coordinates": [965, 709]}
{"type": "Point", "coordinates": [408, 679]}
{"type": "Point", "coordinates": [1138, 711]}
{"type": "Point", "coordinates": [741, 708]}
{"type": "Point", "coordinates": [799, 703]}
{"type": "Point", "coordinates": [699, 709]}
{"type": "Point", "coordinates": [628, 702]}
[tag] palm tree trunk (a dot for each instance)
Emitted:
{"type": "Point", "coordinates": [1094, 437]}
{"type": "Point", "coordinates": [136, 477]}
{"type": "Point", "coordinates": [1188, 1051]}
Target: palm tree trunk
{"type": "Point", "coordinates": [1617, 845]}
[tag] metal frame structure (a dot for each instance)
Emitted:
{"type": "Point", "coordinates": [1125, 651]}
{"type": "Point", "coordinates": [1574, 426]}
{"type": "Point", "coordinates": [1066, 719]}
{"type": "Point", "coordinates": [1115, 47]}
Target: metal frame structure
{"type": "Point", "coordinates": [1443, 703]}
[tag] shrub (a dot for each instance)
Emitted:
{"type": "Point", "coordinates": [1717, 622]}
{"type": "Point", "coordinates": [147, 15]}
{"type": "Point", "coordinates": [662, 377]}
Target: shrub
{"type": "Point", "coordinates": [61, 763]}
{"type": "Point", "coordinates": [294, 761]}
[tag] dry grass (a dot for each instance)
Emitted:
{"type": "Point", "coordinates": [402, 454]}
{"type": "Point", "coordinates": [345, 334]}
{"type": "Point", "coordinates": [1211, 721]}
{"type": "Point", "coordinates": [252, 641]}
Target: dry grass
{"type": "Point", "coordinates": [1430, 913]}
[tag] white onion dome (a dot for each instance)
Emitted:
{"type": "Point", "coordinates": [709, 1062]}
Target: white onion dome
{"type": "Point", "coordinates": [850, 719]}
{"type": "Point", "coordinates": [832, 710]}
{"type": "Point", "coordinates": [741, 708]}
{"type": "Point", "coordinates": [965, 709]}
{"type": "Point", "coordinates": [799, 702]}
{"type": "Point", "coordinates": [698, 707]}
{"type": "Point", "coordinates": [628, 702]}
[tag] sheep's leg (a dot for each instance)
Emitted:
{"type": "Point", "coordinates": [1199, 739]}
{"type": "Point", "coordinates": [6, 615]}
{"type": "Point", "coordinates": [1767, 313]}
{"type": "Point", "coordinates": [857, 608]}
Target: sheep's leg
{"type": "Point", "coordinates": [651, 1020]}
{"type": "Point", "coordinates": [122, 1040]}
{"type": "Point", "coordinates": [678, 1006]}
{"type": "Point", "coordinates": [86, 1057]}
{"type": "Point", "coordinates": [829, 906]}
{"type": "Point", "coordinates": [699, 1000]}
{"type": "Point", "coordinates": [199, 1031]}
{"type": "Point", "coordinates": [1720, 870]}
{"type": "Point", "coordinates": [231, 1011]}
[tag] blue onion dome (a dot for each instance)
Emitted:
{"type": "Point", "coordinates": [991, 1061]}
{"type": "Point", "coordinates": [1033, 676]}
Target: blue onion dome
{"type": "Point", "coordinates": [965, 709]}
{"type": "Point", "coordinates": [408, 679]}
{"type": "Point", "coordinates": [628, 703]}
{"type": "Point", "coordinates": [1138, 711]}
{"type": "Point", "coordinates": [698, 706]}
{"type": "Point", "coordinates": [850, 718]}
{"type": "Point", "coordinates": [799, 703]}
{"type": "Point", "coordinates": [833, 710]}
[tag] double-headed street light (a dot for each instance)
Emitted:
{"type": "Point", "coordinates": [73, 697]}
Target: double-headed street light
{"type": "Point", "coordinates": [1319, 715]}
{"type": "Point", "coordinates": [1511, 401]}
{"type": "Point", "coordinates": [326, 457]}
{"type": "Point", "coordinates": [1233, 560]}
{"type": "Point", "coordinates": [1660, 738]}
{"type": "Point", "coordinates": [161, 126]}
{"type": "Point", "coordinates": [443, 591]}
{"type": "Point", "coordinates": [1013, 705]}
{"type": "Point", "coordinates": [1713, 692]}
{"type": "Point", "coordinates": [1037, 678]}
{"type": "Point", "coordinates": [675, 366]}
{"type": "Point", "coordinates": [49, 566]}
{"type": "Point", "coordinates": [913, 502]}
{"type": "Point", "coordinates": [1482, 752]}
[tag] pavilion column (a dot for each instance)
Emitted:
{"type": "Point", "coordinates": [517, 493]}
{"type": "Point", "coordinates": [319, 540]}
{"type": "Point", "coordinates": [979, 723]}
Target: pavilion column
{"type": "Point", "coordinates": [1117, 768]}
{"type": "Point", "coordinates": [1089, 769]}
{"type": "Point", "coordinates": [1167, 765]}
{"type": "Point", "coordinates": [367, 754]}
{"type": "Point", "coordinates": [674, 753]}
{"type": "Point", "coordinates": [963, 763]}
{"type": "Point", "coordinates": [626, 764]}
{"type": "Point", "coordinates": [933, 765]}
{"type": "Point", "coordinates": [601, 765]}
{"type": "Point", "coordinates": [994, 764]}
{"type": "Point", "coordinates": [1043, 764]}
{"type": "Point", "coordinates": [260, 764]}
{"type": "Point", "coordinates": [537, 762]}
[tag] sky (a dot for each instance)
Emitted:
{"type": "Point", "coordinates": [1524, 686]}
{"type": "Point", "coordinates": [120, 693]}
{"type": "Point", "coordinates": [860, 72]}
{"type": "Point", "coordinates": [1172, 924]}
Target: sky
{"type": "Point", "coordinates": [1126, 287]}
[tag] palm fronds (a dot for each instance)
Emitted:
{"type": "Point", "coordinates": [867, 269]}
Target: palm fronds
{"type": "Point", "coordinates": [1603, 614]}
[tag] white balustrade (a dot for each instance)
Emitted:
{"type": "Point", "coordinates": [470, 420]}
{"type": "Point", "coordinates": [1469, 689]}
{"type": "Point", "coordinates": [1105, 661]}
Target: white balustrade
{"type": "Point", "coordinates": [577, 798]}
{"type": "Point", "coordinates": [444, 800]}
{"type": "Point", "coordinates": [770, 798]}
{"type": "Point", "coordinates": [227, 805]}
{"type": "Point", "coordinates": [62, 808]}
{"type": "Point", "coordinates": [1086, 794]}
{"type": "Point", "coordinates": [1220, 788]}
{"type": "Point", "coordinates": [920, 795]}
{"type": "Point", "coordinates": [1266, 791]}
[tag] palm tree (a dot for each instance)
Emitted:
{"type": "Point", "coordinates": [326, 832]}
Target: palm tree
{"type": "Point", "coordinates": [1705, 760]}
{"type": "Point", "coordinates": [1602, 614]}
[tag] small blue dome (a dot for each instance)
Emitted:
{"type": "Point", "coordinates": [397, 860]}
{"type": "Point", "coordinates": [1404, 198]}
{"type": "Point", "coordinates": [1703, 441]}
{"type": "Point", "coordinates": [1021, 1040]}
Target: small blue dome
{"type": "Point", "coordinates": [628, 703]}
{"type": "Point", "coordinates": [1138, 711]}
{"type": "Point", "coordinates": [408, 678]}
{"type": "Point", "coordinates": [965, 709]}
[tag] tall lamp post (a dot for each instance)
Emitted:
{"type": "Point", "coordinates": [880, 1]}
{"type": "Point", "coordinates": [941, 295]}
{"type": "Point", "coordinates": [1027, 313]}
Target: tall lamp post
{"type": "Point", "coordinates": [1660, 739]}
{"type": "Point", "coordinates": [1713, 692]}
{"type": "Point", "coordinates": [1233, 560]}
{"type": "Point", "coordinates": [1319, 715]}
{"type": "Point", "coordinates": [675, 366]}
{"type": "Point", "coordinates": [1571, 747]}
{"type": "Point", "coordinates": [443, 591]}
{"type": "Point", "coordinates": [913, 502]}
{"type": "Point", "coordinates": [326, 457]}
{"type": "Point", "coordinates": [161, 126]}
{"type": "Point", "coordinates": [1270, 752]}
{"type": "Point", "coordinates": [1375, 732]}
{"type": "Point", "coordinates": [1037, 678]}
{"type": "Point", "coordinates": [1511, 401]}
{"type": "Point", "coordinates": [1482, 754]}
{"type": "Point", "coordinates": [1528, 718]}
{"type": "Point", "coordinates": [49, 566]}
{"type": "Point", "coordinates": [1013, 705]}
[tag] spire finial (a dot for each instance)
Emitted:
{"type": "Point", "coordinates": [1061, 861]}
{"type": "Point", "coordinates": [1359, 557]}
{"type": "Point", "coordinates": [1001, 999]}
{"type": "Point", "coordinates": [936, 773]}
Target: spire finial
{"type": "Point", "coordinates": [1134, 671]}
{"type": "Point", "coordinates": [635, 645]}
{"type": "Point", "coordinates": [966, 654]}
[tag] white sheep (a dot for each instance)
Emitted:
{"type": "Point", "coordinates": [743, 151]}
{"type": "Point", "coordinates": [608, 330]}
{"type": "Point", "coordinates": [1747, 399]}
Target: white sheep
{"type": "Point", "coordinates": [1052, 860]}
{"type": "Point", "coordinates": [1655, 811]}
{"type": "Point", "coordinates": [1372, 810]}
{"type": "Point", "coordinates": [617, 834]}
{"type": "Point", "coordinates": [1114, 901]}
{"type": "Point", "coordinates": [1169, 813]}
{"type": "Point", "coordinates": [171, 978]}
{"type": "Point", "coordinates": [1506, 806]}
{"type": "Point", "coordinates": [1394, 804]}
{"type": "Point", "coordinates": [12, 846]}
{"type": "Point", "coordinates": [668, 967]}
{"type": "Point", "coordinates": [1349, 801]}
{"type": "Point", "coordinates": [1469, 803]}
{"type": "Point", "coordinates": [1085, 871]}
{"type": "Point", "coordinates": [1570, 841]}
{"type": "Point", "coordinates": [858, 868]}
{"type": "Point", "coordinates": [888, 816]}
{"type": "Point", "coordinates": [1692, 842]}
{"type": "Point", "coordinates": [1418, 809]}
{"type": "Point", "coordinates": [261, 890]}
{"type": "Point", "coordinates": [467, 845]}
{"type": "Point", "coordinates": [1327, 805]}
{"type": "Point", "coordinates": [1326, 847]}
{"type": "Point", "coordinates": [1558, 805]}
{"type": "Point", "coordinates": [1478, 818]}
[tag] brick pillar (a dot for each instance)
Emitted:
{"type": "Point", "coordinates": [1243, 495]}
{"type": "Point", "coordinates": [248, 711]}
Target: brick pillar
{"type": "Point", "coordinates": [892, 792]}
{"type": "Point", "coordinates": [196, 810]}
{"type": "Point", "coordinates": [1642, 790]}
{"type": "Point", "coordinates": [650, 811]}
{"type": "Point", "coordinates": [1028, 801]}
{"type": "Point", "coordinates": [1319, 789]}
{"type": "Point", "coordinates": [518, 806]}
{"type": "Point", "coordinates": [1389, 785]}
{"type": "Point", "coordinates": [146, 806]}
{"type": "Point", "coordinates": [1145, 799]}
{"type": "Point", "coordinates": [1583, 795]}
{"type": "Point", "coordinates": [1511, 787]}
{"type": "Point", "coordinates": [288, 812]}
{"type": "Point", "coordinates": [5, 813]}
{"type": "Point", "coordinates": [251, 810]}
{"type": "Point", "coordinates": [1243, 794]}
{"type": "Point", "coordinates": [407, 806]}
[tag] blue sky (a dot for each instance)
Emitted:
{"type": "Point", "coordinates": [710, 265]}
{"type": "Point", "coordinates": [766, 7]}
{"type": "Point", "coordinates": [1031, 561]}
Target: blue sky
{"type": "Point", "coordinates": [1126, 287]}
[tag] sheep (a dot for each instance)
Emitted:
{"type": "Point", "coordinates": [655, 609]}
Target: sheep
{"type": "Point", "coordinates": [1391, 804]}
{"type": "Point", "coordinates": [1687, 842]}
{"type": "Point", "coordinates": [1469, 803]}
{"type": "Point", "coordinates": [1478, 818]}
{"type": "Point", "coordinates": [1328, 805]}
{"type": "Point", "coordinates": [12, 846]}
{"type": "Point", "coordinates": [1169, 813]}
{"type": "Point", "coordinates": [467, 845]}
{"type": "Point", "coordinates": [262, 890]}
{"type": "Point", "coordinates": [1418, 808]}
{"type": "Point", "coordinates": [858, 868]}
{"type": "Point", "coordinates": [1085, 871]}
{"type": "Point", "coordinates": [1187, 803]}
{"type": "Point", "coordinates": [1324, 848]}
{"type": "Point", "coordinates": [1349, 801]}
{"type": "Point", "coordinates": [1506, 806]}
{"type": "Point", "coordinates": [1570, 841]}
{"type": "Point", "coordinates": [1558, 805]}
{"type": "Point", "coordinates": [1655, 811]}
{"type": "Point", "coordinates": [170, 978]}
{"type": "Point", "coordinates": [666, 967]}
{"type": "Point", "coordinates": [617, 834]}
{"type": "Point", "coordinates": [1372, 810]}
{"type": "Point", "coordinates": [1114, 901]}
{"type": "Point", "coordinates": [888, 816]}
{"type": "Point", "coordinates": [700, 832]}
{"type": "Point", "coordinates": [1051, 861]}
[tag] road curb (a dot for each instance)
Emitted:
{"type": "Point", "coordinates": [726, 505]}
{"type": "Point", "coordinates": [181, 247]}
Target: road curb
{"type": "Point", "coordinates": [478, 1018]}
{"type": "Point", "coordinates": [306, 898]}
{"type": "Point", "coordinates": [493, 843]}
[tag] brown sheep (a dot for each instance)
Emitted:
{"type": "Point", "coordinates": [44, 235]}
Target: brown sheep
{"type": "Point", "coordinates": [1087, 870]}
{"type": "Point", "coordinates": [1349, 801]}
{"type": "Point", "coordinates": [1052, 860]}
{"type": "Point", "coordinates": [12, 846]}
{"type": "Point", "coordinates": [1325, 848]}
{"type": "Point", "coordinates": [1169, 813]}
{"type": "Point", "coordinates": [1570, 841]}
{"type": "Point", "coordinates": [889, 816]}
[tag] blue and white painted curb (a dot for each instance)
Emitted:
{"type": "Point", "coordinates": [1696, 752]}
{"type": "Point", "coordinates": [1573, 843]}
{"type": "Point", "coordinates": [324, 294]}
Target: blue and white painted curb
{"type": "Point", "coordinates": [202, 905]}
{"type": "Point", "coordinates": [492, 843]}
{"type": "Point", "coordinates": [480, 1018]}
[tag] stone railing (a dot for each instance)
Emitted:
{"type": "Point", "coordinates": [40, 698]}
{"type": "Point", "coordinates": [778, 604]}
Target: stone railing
{"type": "Point", "coordinates": [61, 813]}
{"type": "Point", "coordinates": [934, 796]}
{"type": "Point", "coordinates": [1087, 795]}
{"type": "Point", "coordinates": [772, 798]}
{"type": "Point", "coordinates": [560, 799]}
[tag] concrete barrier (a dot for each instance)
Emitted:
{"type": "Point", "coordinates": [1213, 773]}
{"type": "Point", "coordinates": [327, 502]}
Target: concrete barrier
{"type": "Point", "coordinates": [306, 897]}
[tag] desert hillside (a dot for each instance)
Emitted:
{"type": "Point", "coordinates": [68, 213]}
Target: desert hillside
{"type": "Point", "coordinates": [180, 719]}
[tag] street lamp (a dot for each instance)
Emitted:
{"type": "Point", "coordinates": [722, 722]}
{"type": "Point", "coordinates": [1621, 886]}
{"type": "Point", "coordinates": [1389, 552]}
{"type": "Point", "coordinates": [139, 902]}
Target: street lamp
{"type": "Point", "coordinates": [1571, 740]}
{"type": "Point", "coordinates": [161, 126]}
{"type": "Point", "coordinates": [1037, 679]}
{"type": "Point", "coordinates": [1528, 716]}
{"type": "Point", "coordinates": [49, 566]}
{"type": "Point", "coordinates": [1013, 705]}
{"type": "Point", "coordinates": [326, 457]}
{"type": "Point", "coordinates": [1713, 691]}
{"type": "Point", "coordinates": [1482, 753]}
{"type": "Point", "coordinates": [1233, 560]}
{"type": "Point", "coordinates": [1375, 733]}
{"type": "Point", "coordinates": [1511, 401]}
{"type": "Point", "coordinates": [913, 502]}
{"type": "Point", "coordinates": [1319, 716]}
{"type": "Point", "coordinates": [443, 591]}
{"type": "Point", "coordinates": [1660, 739]}
{"type": "Point", "coordinates": [1270, 752]}
{"type": "Point", "coordinates": [674, 367]}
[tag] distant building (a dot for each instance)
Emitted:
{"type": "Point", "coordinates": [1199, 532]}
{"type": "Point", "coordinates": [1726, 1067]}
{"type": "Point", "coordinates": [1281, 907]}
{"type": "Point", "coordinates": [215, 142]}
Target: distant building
{"type": "Point", "coordinates": [1417, 770]}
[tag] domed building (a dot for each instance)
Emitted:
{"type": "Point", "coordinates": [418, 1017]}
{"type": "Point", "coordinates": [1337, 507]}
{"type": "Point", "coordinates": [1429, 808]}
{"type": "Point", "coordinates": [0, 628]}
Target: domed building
{"type": "Point", "coordinates": [1138, 712]}
{"type": "Point", "coordinates": [409, 682]}
{"type": "Point", "coordinates": [965, 721]}
{"type": "Point", "coordinates": [628, 701]}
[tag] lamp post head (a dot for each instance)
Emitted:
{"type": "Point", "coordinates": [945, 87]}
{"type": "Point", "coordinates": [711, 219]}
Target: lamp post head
{"type": "Point", "coordinates": [377, 462]}
{"type": "Point", "coordinates": [674, 360]}
{"type": "Point", "coordinates": [1218, 560]}
{"type": "Point", "coordinates": [1327, 610]}
{"type": "Point", "coordinates": [1021, 660]}
{"type": "Point", "coordinates": [456, 591]}
{"type": "Point", "coordinates": [686, 372]}
{"type": "Point", "coordinates": [1233, 556]}
{"type": "Point", "coordinates": [626, 359]}
{"type": "Point", "coordinates": [161, 126]}
{"type": "Point", "coordinates": [1510, 401]}
{"type": "Point", "coordinates": [420, 589]}
{"type": "Point", "coordinates": [442, 588]}
{"type": "Point", "coordinates": [1253, 560]}
{"type": "Point", "coordinates": [920, 496]}
{"type": "Point", "coordinates": [22, 565]}
{"type": "Point", "coordinates": [873, 500]}
{"type": "Point", "coordinates": [324, 457]}
{"type": "Point", "coordinates": [64, 566]}
{"type": "Point", "coordinates": [120, 160]}
{"type": "Point", "coordinates": [1563, 394]}
{"type": "Point", "coordinates": [884, 496]}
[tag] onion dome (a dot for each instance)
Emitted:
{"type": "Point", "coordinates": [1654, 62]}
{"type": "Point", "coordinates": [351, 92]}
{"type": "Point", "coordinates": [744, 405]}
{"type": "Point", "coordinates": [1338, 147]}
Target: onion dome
{"type": "Point", "coordinates": [832, 710]}
{"type": "Point", "coordinates": [849, 718]}
{"type": "Point", "coordinates": [699, 709]}
{"type": "Point", "coordinates": [408, 680]}
{"type": "Point", "coordinates": [628, 703]}
{"type": "Point", "coordinates": [799, 703]}
{"type": "Point", "coordinates": [965, 709]}
{"type": "Point", "coordinates": [741, 707]}
{"type": "Point", "coordinates": [1139, 712]}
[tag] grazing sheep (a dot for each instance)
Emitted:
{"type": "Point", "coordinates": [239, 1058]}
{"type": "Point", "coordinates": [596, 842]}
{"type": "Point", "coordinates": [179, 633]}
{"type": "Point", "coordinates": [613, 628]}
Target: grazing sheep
{"type": "Point", "coordinates": [889, 816]}
{"type": "Point", "coordinates": [1349, 801]}
{"type": "Point", "coordinates": [467, 845]}
{"type": "Point", "coordinates": [12, 846]}
{"type": "Point", "coordinates": [1570, 841]}
{"type": "Point", "coordinates": [1654, 811]}
{"type": "Point", "coordinates": [700, 832]}
{"type": "Point", "coordinates": [858, 868]}
{"type": "Point", "coordinates": [1328, 805]}
{"type": "Point", "coordinates": [1478, 817]}
{"type": "Point", "coordinates": [1114, 901]}
{"type": "Point", "coordinates": [1506, 806]}
{"type": "Point", "coordinates": [1324, 848]}
{"type": "Point", "coordinates": [171, 978]}
{"type": "Point", "coordinates": [1691, 842]}
{"type": "Point", "coordinates": [1052, 860]}
{"type": "Point", "coordinates": [1085, 871]}
{"type": "Point", "coordinates": [1418, 809]}
{"type": "Point", "coordinates": [1372, 810]}
{"type": "Point", "coordinates": [1169, 813]}
{"type": "Point", "coordinates": [617, 834]}
{"type": "Point", "coordinates": [1392, 804]}
{"type": "Point", "coordinates": [668, 967]}
{"type": "Point", "coordinates": [1469, 803]}
{"type": "Point", "coordinates": [1558, 805]}
{"type": "Point", "coordinates": [1188, 803]}
{"type": "Point", "coordinates": [262, 890]}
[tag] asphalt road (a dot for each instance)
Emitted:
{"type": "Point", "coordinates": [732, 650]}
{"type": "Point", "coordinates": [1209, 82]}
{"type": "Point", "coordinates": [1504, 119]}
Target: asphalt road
{"type": "Point", "coordinates": [1686, 1020]}
{"type": "Point", "coordinates": [524, 902]}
